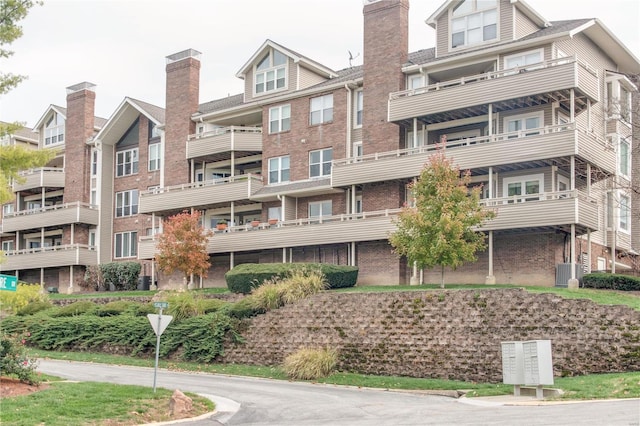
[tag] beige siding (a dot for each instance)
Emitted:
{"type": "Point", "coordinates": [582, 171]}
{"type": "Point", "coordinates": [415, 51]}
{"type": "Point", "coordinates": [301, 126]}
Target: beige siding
{"type": "Point", "coordinates": [234, 140]}
{"type": "Point", "coordinates": [442, 36]}
{"type": "Point", "coordinates": [307, 77]}
{"type": "Point", "coordinates": [505, 21]}
{"type": "Point", "coordinates": [356, 135]}
{"type": "Point", "coordinates": [290, 208]}
{"type": "Point", "coordinates": [546, 109]}
{"type": "Point", "coordinates": [524, 26]}
{"type": "Point", "coordinates": [248, 86]}
{"type": "Point", "coordinates": [61, 256]}
{"type": "Point", "coordinates": [39, 178]}
{"type": "Point", "coordinates": [547, 54]}
{"type": "Point", "coordinates": [52, 217]}
{"type": "Point", "coordinates": [105, 229]}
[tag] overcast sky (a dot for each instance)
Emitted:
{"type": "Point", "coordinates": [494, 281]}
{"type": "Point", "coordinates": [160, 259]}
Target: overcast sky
{"type": "Point", "coordinates": [120, 45]}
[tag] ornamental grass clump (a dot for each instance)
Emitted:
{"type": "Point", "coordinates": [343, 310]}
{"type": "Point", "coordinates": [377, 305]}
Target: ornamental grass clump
{"type": "Point", "coordinates": [268, 296]}
{"type": "Point", "coordinates": [310, 364]}
{"type": "Point", "coordinates": [302, 283]}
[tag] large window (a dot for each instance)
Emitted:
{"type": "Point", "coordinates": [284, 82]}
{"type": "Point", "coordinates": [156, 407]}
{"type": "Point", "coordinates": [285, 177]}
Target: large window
{"type": "Point", "coordinates": [126, 244]}
{"type": "Point", "coordinates": [320, 162]}
{"type": "Point", "coordinates": [522, 60]}
{"type": "Point", "coordinates": [359, 108]}
{"type": "Point", "coordinates": [127, 162]}
{"type": "Point", "coordinates": [524, 125]}
{"type": "Point", "coordinates": [523, 188]}
{"type": "Point", "coordinates": [127, 203]}
{"type": "Point", "coordinates": [54, 130]}
{"type": "Point", "coordinates": [279, 169]}
{"type": "Point", "coordinates": [280, 119]}
{"type": "Point", "coordinates": [8, 245]}
{"type": "Point", "coordinates": [473, 22]}
{"type": "Point", "coordinates": [7, 209]}
{"type": "Point", "coordinates": [320, 209]}
{"type": "Point", "coordinates": [624, 157]}
{"type": "Point", "coordinates": [625, 214]}
{"type": "Point", "coordinates": [271, 72]}
{"type": "Point", "coordinates": [321, 110]}
{"type": "Point", "coordinates": [154, 157]}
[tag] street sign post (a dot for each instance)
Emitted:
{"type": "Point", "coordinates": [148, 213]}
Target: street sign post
{"type": "Point", "coordinates": [8, 282]}
{"type": "Point", "coordinates": [159, 323]}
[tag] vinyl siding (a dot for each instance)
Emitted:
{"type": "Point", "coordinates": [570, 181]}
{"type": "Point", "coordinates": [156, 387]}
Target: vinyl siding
{"type": "Point", "coordinates": [505, 21]}
{"type": "Point", "coordinates": [524, 26]}
{"type": "Point", "coordinates": [307, 78]}
{"type": "Point", "coordinates": [105, 229]}
{"type": "Point", "coordinates": [63, 215]}
{"type": "Point", "coordinates": [41, 178]}
{"type": "Point", "coordinates": [442, 35]}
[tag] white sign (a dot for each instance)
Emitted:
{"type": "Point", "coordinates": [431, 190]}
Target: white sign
{"type": "Point", "coordinates": [159, 322]}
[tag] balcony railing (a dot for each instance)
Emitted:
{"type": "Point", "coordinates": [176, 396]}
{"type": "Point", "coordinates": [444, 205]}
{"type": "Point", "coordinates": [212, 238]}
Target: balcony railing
{"type": "Point", "coordinates": [49, 257]}
{"type": "Point", "coordinates": [553, 76]}
{"type": "Point", "coordinates": [482, 151]}
{"type": "Point", "coordinates": [60, 214]}
{"type": "Point", "coordinates": [225, 139]}
{"type": "Point", "coordinates": [40, 177]}
{"type": "Point", "coordinates": [203, 193]}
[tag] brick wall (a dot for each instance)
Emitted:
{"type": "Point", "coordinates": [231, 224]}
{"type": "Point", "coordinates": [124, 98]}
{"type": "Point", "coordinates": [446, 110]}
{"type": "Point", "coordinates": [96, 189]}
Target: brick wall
{"type": "Point", "coordinates": [78, 129]}
{"type": "Point", "coordinates": [448, 335]}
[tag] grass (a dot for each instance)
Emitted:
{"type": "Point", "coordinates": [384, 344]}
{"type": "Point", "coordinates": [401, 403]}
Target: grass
{"type": "Point", "coordinates": [602, 297]}
{"type": "Point", "coordinates": [67, 403]}
{"type": "Point", "coordinates": [595, 386]}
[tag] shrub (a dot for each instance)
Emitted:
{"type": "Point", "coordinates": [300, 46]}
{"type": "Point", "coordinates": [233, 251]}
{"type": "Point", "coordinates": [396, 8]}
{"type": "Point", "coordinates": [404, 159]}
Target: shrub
{"type": "Point", "coordinates": [310, 364]}
{"type": "Point", "coordinates": [605, 281]}
{"type": "Point", "coordinates": [23, 296]}
{"type": "Point", "coordinates": [93, 278]}
{"type": "Point", "coordinates": [34, 307]}
{"type": "Point", "coordinates": [123, 275]}
{"type": "Point", "coordinates": [184, 305]}
{"type": "Point", "coordinates": [212, 305]}
{"type": "Point", "coordinates": [81, 307]}
{"type": "Point", "coordinates": [116, 307]}
{"type": "Point", "coordinates": [268, 296]}
{"type": "Point", "coordinates": [243, 308]}
{"type": "Point", "coordinates": [243, 278]}
{"type": "Point", "coordinates": [14, 360]}
{"type": "Point", "coordinates": [140, 309]}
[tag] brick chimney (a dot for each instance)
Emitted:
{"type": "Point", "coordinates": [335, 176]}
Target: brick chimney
{"type": "Point", "coordinates": [79, 128]}
{"type": "Point", "coordinates": [182, 97]}
{"type": "Point", "coordinates": [386, 49]}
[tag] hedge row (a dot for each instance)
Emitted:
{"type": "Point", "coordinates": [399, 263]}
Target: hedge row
{"type": "Point", "coordinates": [611, 282]}
{"type": "Point", "coordinates": [244, 278]}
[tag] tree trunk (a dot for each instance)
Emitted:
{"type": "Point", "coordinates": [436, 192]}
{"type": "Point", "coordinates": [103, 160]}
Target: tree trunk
{"type": "Point", "coordinates": [441, 276]}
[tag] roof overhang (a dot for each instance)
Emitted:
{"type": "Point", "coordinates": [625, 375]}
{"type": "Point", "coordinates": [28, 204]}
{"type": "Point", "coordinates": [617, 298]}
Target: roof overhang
{"type": "Point", "coordinates": [121, 120]}
{"type": "Point", "coordinates": [627, 62]}
{"type": "Point", "coordinates": [52, 107]}
{"type": "Point", "coordinates": [520, 4]}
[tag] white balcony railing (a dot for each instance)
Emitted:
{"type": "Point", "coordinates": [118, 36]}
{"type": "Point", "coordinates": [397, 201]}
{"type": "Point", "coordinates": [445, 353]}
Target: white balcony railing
{"type": "Point", "coordinates": [50, 249]}
{"type": "Point", "coordinates": [206, 183]}
{"type": "Point", "coordinates": [56, 207]}
{"type": "Point", "coordinates": [225, 130]}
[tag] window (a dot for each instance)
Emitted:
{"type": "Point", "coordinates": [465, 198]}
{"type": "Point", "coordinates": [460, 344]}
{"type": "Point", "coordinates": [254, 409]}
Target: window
{"type": "Point", "coordinates": [93, 238]}
{"type": "Point", "coordinates": [93, 197]}
{"type": "Point", "coordinates": [94, 162]}
{"type": "Point", "coordinates": [321, 109]}
{"type": "Point", "coordinates": [624, 157]}
{"type": "Point", "coordinates": [126, 244]}
{"type": "Point", "coordinates": [280, 119]}
{"type": "Point", "coordinates": [610, 209]}
{"type": "Point", "coordinates": [127, 203]}
{"type": "Point", "coordinates": [523, 125]}
{"type": "Point", "coordinates": [7, 209]}
{"type": "Point", "coordinates": [154, 131]}
{"type": "Point", "coordinates": [412, 142]}
{"type": "Point", "coordinates": [154, 157]}
{"type": "Point", "coordinates": [54, 130]}
{"type": "Point", "coordinates": [274, 213]}
{"type": "Point", "coordinates": [473, 22]}
{"type": "Point", "coordinates": [358, 150]}
{"type": "Point", "coordinates": [415, 81]}
{"type": "Point", "coordinates": [320, 209]}
{"type": "Point", "coordinates": [127, 162]}
{"type": "Point", "coordinates": [359, 106]}
{"type": "Point", "coordinates": [521, 60]}
{"type": "Point", "coordinates": [358, 204]}
{"type": "Point", "coordinates": [279, 169]}
{"type": "Point", "coordinates": [625, 104]}
{"type": "Point", "coordinates": [155, 231]}
{"type": "Point", "coordinates": [8, 246]}
{"type": "Point", "coordinates": [625, 214]}
{"type": "Point", "coordinates": [320, 162]}
{"type": "Point", "coordinates": [270, 73]}
{"type": "Point", "coordinates": [523, 188]}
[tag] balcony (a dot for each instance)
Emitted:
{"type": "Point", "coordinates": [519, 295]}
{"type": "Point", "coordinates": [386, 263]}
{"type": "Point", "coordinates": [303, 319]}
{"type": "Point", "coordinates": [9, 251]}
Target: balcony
{"type": "Point", "coordinates": [49, 257]}
{"type": "Point", "coordinates": [218, 141]}
{"type": "Point", "coordinates": [205, 194]}
{"type": "Point", "coordinates": [336, 229]}
{"type": "Point", "coordinates": [530, 149]}
{"type": "Point", "coordinates": [548, 210]}
{"type": "Point", "coordinates": [58, 215]}
{"type": "Point", "coordinates": [44, 177]}
{"type": "Point", "coordinates": [555, 77]}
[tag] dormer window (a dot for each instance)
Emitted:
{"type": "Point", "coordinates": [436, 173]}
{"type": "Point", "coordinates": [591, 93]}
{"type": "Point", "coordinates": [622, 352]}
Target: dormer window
{"type": "Point", "coordinates": [54, 130]}
{"type": "Point", "coordinates": [474, 22]}
{"type": "Point", "coordinates": [270, 73]}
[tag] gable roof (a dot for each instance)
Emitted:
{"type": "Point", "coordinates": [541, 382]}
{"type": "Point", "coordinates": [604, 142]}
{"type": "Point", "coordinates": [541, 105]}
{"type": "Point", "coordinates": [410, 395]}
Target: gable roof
{"type": "Point", "coordinates": [297, 58]}
{"type": "Point", "coordinates": [58, 109]}
{"type": "Point", "coordinates": [521, 5]}
{"type": "Point", "coordinates": [124, 116]}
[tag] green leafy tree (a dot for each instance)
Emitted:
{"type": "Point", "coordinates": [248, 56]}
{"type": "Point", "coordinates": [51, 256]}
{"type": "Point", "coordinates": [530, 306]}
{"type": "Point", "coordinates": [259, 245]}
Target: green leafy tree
{"type": "Point", "coordinates": [183, 246]}
{"type": "Point", "coordinates": [438, 230]}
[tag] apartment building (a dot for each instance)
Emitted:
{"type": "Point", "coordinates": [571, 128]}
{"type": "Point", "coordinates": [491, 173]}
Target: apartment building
{"type": "Point", "coordinates": [312, 164]}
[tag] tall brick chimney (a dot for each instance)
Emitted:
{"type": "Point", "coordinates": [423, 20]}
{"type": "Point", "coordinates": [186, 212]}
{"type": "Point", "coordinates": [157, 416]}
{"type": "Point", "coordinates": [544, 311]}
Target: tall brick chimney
{"type": "Point", "coordinates": [79, 128]}
{"type": "Point", "coordinates": [386, 49]}
{"type": "Point", "coordinates": [182, 97]}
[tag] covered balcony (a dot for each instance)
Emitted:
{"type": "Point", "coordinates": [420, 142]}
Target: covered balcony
{"type": "Point", "coordinates": [550, 145]}
{"type": "Point", "coordinates": [49, 257]}
{"type": "Point", "coordinates": [223, 140]}
{"type": "Point", "coordinates": [205, 194]}
{"type": "Point", "coordinates": [43, 177]}
{"type": "Point", "coordinates": [61, 214]}
{"type": "Point", "coordinates": [545, 82]}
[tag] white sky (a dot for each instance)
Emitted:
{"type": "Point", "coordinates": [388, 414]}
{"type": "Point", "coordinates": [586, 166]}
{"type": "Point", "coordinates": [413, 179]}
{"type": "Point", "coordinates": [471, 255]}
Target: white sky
{"type": "Point", "coordinates": [120, 45]}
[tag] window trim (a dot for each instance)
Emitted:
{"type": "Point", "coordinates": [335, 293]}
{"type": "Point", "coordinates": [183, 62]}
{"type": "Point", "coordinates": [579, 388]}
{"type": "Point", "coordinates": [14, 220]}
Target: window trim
{"type": "Point", "coordinates": [155, 157]}
{"type": "Point", "coordinates": [524, 197]}
{"type": "Point", "coordinates": [465, 16]}
{"type": "Point", "coordinates": [134, 163]}
{"type": "Point", "coordinates": [323, 110]}
{"type": "Point", "coordinates": [132, 248]}
{"type": "Point", "coordinates": [358, 109]}
{"type": "Point", "coordinates": [321, 204]}
{"type": "Point", "coordinates": [523, 117]}
{"type": "Point", "coordinates": [121, 197]}
{"type": "Point", "coordinates": [523, 54]}
{"type": "Point", "coordinates": [281, 120]}
{"type": "Point", "coordinates": [321, 163]}
{"type": "Point", "coordinates": [271, 68]}
{"type": "Point", "coordinates": [623, 141]}
{"type": "Point", "coordinates": [279, 170]}
{"type": "Point", "coordinates": [56, 130]}
{"type": "Point", "coordinates": [624, 211]}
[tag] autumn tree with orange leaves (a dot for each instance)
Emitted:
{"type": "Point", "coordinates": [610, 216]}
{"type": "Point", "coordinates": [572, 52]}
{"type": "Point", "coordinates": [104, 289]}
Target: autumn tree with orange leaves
{"type": "Point", "coordinates": [183, 246]}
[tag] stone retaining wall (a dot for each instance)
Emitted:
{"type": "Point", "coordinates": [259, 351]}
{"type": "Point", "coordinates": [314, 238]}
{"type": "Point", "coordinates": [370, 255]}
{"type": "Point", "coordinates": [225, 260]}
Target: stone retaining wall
{"type": "Point", "coordinates": [450, 335]}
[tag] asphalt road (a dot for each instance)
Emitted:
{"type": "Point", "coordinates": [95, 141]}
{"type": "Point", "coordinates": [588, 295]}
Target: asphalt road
{"type": "Point", "coordinates": [249, 401]}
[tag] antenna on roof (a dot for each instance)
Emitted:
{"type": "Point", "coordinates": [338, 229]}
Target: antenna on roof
{"type": "Point", "coordinates": [351, 58]}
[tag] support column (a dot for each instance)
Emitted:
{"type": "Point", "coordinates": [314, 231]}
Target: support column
{"type": "Point", "coordinates": [353, 199]}
{"type": "Point", "coordinates": [353, 253]}
{"type": "Point", "coordinates": [414, 274]}
{"type": "Point", "coordinates": [153, 285]}
{"type": "Point", "coordinates": [284, 255]}
{"type": "Point", "coordinates": [233, 214]}
{"type": "Point", "coordinates": [490, 279]}
{"type": "Point", "coordinates": [490, 110]}
{"type": "Point", "coordinates": [41, 280]}
{"type": "Point", "coordinates": [589, 250]}
{"type": "Point", "coordinates": [70, 289]}
{"type": "Point", "coordinates": [573, 282]}
{"type": "Point", "coordinates": [232, 260]}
